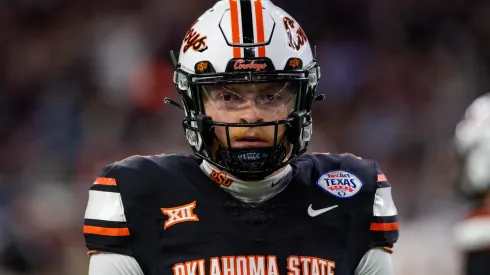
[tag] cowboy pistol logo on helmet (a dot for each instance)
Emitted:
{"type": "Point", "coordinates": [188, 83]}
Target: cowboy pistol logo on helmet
{"type": "Point", "coordinates": [257, 45]}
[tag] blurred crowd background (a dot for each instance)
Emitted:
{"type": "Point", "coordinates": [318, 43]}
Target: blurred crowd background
{"type": "Point", "coordinates": [82, 84]}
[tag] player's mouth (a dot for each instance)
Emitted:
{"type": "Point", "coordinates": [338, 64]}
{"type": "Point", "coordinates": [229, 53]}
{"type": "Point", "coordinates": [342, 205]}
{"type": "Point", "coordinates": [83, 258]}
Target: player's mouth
{"type": "Point", "coordinates": [251, 142]}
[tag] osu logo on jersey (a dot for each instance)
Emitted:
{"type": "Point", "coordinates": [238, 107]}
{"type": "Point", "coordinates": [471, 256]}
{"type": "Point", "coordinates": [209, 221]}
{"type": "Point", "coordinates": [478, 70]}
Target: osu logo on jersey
{"type": "Point", "coordinates": [301, 38]}
{"type": "Point", "coordinates": [179, 214]}
{"type": "Point", "coordinates": [220, 179]}
{"type": "Point", "coordinates": [193, 39]}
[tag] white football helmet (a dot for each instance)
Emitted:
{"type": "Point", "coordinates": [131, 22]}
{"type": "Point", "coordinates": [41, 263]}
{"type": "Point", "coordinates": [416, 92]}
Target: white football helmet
{"type": "Point", "coordinates": [246, 41]}
{"type": "Point", "coordinates": [472, 142]}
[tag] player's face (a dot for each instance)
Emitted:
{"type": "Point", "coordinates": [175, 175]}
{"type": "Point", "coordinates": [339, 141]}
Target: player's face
{"type": "Point", "coordinates": [249, 103]}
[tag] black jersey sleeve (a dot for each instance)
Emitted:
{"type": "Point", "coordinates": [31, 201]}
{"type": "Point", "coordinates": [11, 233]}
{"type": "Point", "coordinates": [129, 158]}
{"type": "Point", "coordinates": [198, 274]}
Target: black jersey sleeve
{"type": "Point", "coordinates": [384, 222]}
{"type": "Point", "coordinates": [105, 223]}
{"type": "Point", "coordinates": [116, 199]}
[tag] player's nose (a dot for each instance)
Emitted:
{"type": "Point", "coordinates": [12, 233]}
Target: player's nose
{"type": "Point", "coordinates": [251, 114]}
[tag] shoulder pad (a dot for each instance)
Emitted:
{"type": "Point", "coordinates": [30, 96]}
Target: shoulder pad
{"type": "Point", "coordinates": [148, 164]}
{"type": "Point", "coordinates": [140, 161]}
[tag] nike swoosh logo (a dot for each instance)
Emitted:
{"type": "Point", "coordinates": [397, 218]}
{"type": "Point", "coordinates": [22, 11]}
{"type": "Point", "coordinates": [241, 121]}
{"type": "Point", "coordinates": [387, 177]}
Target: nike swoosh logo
{"type": "Point", "coordinates": [314, 213]}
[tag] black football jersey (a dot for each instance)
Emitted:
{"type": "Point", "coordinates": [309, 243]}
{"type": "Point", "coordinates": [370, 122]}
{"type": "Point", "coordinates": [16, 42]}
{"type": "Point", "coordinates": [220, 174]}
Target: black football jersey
{"type": "Point", "coordinates": [174, 219]}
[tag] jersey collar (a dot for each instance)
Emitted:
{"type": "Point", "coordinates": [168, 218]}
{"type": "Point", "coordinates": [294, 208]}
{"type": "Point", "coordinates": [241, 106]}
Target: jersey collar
{"type": "Point", "coordinates": [251, 192]}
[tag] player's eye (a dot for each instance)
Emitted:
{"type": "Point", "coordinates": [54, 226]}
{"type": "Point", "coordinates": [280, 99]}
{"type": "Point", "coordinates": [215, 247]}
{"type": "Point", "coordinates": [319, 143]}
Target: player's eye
{"type": "Point", "coordinates": [269, 97]}
{"type": "Point", "coordinates": [227, 96]}
{"type": "Point", "coordinates": [224, 97]}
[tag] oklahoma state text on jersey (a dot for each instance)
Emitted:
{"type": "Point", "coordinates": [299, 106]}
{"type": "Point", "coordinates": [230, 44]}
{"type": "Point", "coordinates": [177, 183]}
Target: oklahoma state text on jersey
{"type": "Point", "coordinates": [254, 265]}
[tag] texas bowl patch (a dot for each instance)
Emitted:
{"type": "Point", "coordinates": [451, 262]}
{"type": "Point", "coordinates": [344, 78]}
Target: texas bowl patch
{"type": "Point", "coordinates": [339, 183]}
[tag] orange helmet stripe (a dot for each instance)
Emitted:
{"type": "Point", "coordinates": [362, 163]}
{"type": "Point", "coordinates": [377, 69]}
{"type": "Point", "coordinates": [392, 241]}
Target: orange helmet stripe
{"type": "Point", "coordinates": [235, 27]}
{"type": "Point", "coordinates": [259, 26]}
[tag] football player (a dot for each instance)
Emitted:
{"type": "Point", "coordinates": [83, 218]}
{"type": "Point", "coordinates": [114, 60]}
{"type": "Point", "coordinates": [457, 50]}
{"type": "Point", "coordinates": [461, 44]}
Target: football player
{"type": "Point", "coordinates": [473, 146]}
{"type": "Point", "coordinates": [249, 201]}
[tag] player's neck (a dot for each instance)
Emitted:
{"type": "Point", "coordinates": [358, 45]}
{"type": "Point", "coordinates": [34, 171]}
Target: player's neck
{"type": "Point", "coordinates": [252, 192]}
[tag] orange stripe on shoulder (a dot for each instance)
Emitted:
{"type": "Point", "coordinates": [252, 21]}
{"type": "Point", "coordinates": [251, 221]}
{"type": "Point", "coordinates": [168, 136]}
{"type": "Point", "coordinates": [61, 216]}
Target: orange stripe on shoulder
{"type": "Point", "coordinates": [92, 252]}
{"type": "Point", "coordinates": [105, 231]}
{"type": "Point", "coordinates": [105, 181]}
{"type": "Point", "coordinates": [382, 178]}
{"type": "Point", "coordinates": [385, 226]}
{"type": "Point", "coordinates": [350, 154]}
